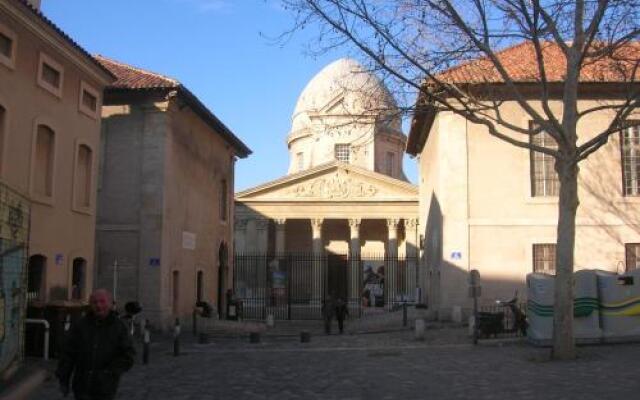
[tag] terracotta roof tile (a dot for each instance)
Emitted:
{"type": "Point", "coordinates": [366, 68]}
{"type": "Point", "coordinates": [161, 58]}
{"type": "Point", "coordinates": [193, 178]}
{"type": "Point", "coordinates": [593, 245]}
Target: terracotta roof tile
{"type": "Point", "coordinates": [129, 77]}
{"type": "Point", "coordinates": [521, 64]}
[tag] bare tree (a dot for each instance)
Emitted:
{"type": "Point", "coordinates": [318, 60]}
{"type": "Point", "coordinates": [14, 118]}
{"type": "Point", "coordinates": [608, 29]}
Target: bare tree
{"type": "Point", "coordinates": [417, 42]}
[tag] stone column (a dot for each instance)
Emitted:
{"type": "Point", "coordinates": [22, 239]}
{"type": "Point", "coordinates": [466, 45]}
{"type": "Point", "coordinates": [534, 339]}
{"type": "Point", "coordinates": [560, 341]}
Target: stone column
{"type": "Point", "coordinates": [262, 237]}
{"type": "Point", "coordinates": [318, 262]}
{"type": "Point", "coordinates": [240, 236]}
{"type": "Point", "coordinates": [280, 236]}
{"type": "Point", "coordinates": [411, 250]}
{"type": "Point", "coordinates": [355, 265]}
{"type": "Point", "coordinates": [390, 281]}
{"type": "Point", "coordinates": [261, 259]}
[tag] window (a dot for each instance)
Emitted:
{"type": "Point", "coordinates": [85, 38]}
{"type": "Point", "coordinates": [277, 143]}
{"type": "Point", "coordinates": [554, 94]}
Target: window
{"type": "Point", "coordinates": [544, 258]}
{"type": "Point", "coordinates": [176, 292]}
{"type": "Point", "coordinates": [200, 286]}
{"type": "Point", "coordinates": [632, 256]}
{"type": "Point", "coordinates": [389, 161]}
{"type": "Point", "coordinates": [630, 149]}
{"type": "Point", "coordinates": [223, 200]}
{"type": "Point", "coordinates": [341, 152]}
{"type": "Point", "coordinates": [50, 75]}
{"type": "Point", "coordinates": [77, 278]}
{"type": "Point", "coordinates": [36, 278]}
{"type": "Point", "coordinates": [7, 47]}
{"type": "Point", "coordinates": [83, 175]}
{"type": "Point", "coordinates": [3, 127]}
{"type": "Point", "coordinates": [300, 161]}
{"type": "Point", "coordinates": [43, 164]}
{"type": "Point", "coordinates": [88, 100]}
{"type": "Point", "coordinates": [544, 178]}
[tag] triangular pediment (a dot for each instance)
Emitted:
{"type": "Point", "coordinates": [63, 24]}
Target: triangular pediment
{"type": "Point", "coordinates": [333, 182]}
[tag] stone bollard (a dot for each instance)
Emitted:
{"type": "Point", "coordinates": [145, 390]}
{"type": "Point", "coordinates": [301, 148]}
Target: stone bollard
{"type": "Point", "coordinates": [271, 322]}
{"type": "Point", "coordinates": [420, 329]}
{"type": "Point", "coordinates": [305, 337]}
{"type": "Point", "coordinates": [176, 338]}
{"type": "Point", "coordinates": [254, 337]}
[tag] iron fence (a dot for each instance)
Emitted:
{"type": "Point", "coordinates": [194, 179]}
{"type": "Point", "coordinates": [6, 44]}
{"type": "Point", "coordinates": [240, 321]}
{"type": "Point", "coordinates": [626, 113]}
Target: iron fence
{"type": "Point", "coordinates": [498, 321]}
{"type": "Point", "coordinates": [14, 237]}
{"type": "Point", "coordinates": [293, 286]}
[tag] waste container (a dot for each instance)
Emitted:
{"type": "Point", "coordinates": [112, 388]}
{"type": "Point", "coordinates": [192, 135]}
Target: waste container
{"type": "Point", "coordinates": [620, 306]}
{"type": "Point", "coordinates": [540, 308]}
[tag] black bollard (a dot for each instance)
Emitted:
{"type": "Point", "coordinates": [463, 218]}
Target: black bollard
{"type": "Point", "coordinates": [254, 337]}
{"type": "Point", "coordinates": [404, 314]}
{"type": "Point", "coordinates": [305, 337]}
{"type": "Point", "coordinates": [176, 338]}
{"type": "Point", "coordinates": [195, 322]}
{"type": "Point", "coordinates": [146, 339]}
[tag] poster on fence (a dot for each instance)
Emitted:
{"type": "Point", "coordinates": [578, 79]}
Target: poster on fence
{"type": "Point", "coordinates": [373, 283]}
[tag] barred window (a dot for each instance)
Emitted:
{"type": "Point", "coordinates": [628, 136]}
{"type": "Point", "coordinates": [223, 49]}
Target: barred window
{"type": "Point", "coordinates": [389, 162]}
{"type": "Point", "coordinates": [630, 149]}
{"type": "Point", "coordinates": [341, 152]}
{"type": "Point", "coordinates": [544, 178]}
{"type": "Point", "coordinates": [544, 258]}
{"type": "Point", "coordinates": [300, 161]}
{"type": "Point", "coordinates": [632, 255]}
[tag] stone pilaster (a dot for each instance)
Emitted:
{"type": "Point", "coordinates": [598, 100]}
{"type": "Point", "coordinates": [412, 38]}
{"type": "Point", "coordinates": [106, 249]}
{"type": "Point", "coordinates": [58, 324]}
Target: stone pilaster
{"type": "Point", "coordinates": [240, 236]}
{"type": "Point", "coordinates": [413, 278]}
{"type": "Point", "coordinates": [355, 266]}
{"type": "Point", "coordinates": [318, 260]}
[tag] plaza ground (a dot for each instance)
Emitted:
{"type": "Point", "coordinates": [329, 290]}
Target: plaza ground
{"type": "Point", "coordinates": [389, 365]}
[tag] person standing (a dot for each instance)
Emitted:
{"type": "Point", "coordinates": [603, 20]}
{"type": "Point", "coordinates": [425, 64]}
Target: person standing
{"type": "Point", "coordinates": [341, 313]}
{"type": "Point", "coordinates": [328, 310]}
{"type": "Point", "coordinates": [97, 351]}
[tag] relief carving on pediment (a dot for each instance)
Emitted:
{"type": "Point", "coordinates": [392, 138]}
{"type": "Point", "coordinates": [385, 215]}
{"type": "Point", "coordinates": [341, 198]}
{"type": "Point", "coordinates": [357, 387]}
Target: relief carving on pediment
{"type": "Point", "coordinates": [338, 186]}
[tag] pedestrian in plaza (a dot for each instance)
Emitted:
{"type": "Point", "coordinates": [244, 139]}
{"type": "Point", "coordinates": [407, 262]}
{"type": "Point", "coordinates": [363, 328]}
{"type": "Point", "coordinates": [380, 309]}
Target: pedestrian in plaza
{"type": "Point", "coordinates": [328, 311]}
{"type": "Point", "coordinates": [97, 351]}
{"type": "Point", "coordinates": [341, 313]}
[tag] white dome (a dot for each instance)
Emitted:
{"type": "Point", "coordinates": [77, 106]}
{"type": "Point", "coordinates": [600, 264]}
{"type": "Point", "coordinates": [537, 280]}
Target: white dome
{"type": "Point", "coordinates": [345, 87]}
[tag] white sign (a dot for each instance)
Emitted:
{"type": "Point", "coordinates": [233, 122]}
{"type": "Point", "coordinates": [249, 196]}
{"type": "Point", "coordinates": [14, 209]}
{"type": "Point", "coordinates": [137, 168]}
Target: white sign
{"type": "Point", "coordinates": [188, 240]}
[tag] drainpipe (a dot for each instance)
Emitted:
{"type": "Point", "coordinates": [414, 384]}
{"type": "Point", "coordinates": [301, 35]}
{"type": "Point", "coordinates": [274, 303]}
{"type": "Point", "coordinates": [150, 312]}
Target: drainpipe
{"type": "Point", "coordinates": [46, 333]}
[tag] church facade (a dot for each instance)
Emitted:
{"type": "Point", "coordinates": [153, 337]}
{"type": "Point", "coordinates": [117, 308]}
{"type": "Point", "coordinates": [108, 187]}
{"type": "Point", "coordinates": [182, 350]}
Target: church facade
{"type": "Point", "coordinates": [345, 203]}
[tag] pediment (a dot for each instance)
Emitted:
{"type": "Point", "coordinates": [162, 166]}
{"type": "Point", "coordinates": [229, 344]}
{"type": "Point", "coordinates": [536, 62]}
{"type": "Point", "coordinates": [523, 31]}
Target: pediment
{"type": "Point", "coordinates": [334, 182]}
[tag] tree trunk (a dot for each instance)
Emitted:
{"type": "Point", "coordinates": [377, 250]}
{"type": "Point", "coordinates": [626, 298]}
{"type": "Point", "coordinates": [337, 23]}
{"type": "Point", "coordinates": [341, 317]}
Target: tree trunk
{"type": "Point", "coordinates": [563, 340]}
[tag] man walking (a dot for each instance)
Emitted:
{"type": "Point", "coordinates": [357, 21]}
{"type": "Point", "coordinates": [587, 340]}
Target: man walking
{"type": "Point", "coordinates": [97, 352]}
{"type": "Point", "coordinates": [328, 310]}
{"type": "Point", "coordinates": [341, 313]}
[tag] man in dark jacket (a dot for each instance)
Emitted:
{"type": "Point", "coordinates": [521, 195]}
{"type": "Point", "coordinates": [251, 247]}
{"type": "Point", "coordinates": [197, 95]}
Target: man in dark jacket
{"type": "Point", "coordinates": [341, 313]}
{"type": "Point", "coordinates": [97, 352]}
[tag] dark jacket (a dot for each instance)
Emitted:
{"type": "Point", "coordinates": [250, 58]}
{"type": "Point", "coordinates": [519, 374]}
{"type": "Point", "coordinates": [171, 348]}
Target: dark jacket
{"type": "Point", "coordinates": [341, 309]}
{"type": "Point", "coordinates": [96, 352]}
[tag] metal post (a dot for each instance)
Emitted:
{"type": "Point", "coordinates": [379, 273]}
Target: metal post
{"type": "Point", "coordinates": [67, 323]}
{"type": "Point", "coordinates": [176, 338]}
{"type": "Point", "coordinates": [475, 319]}
{"type": "Point", "coordinates": [195, 322]}
{"type": "Point", "coordinates": [145, 344]}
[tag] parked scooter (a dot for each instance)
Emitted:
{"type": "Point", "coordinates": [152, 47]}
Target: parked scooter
{"type": "Point", "coordinates": [493, 323]}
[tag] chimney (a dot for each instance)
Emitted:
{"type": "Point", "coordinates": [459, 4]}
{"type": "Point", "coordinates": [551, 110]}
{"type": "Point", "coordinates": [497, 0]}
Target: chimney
{"type": "Point", "coordinates": [34, 3]}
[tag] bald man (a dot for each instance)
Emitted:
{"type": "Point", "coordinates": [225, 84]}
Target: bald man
{"type": "Point", "coordinates": [96, 353]}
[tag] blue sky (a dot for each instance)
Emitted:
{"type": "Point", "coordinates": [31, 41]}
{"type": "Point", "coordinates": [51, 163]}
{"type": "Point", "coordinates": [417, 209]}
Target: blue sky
{"type": "Point", "coordinates": [222, 51]}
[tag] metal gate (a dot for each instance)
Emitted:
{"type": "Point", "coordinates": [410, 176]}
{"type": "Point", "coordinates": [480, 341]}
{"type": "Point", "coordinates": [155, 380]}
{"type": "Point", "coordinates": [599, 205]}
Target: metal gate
{"type": "Point", "coordinates": [293, 286]}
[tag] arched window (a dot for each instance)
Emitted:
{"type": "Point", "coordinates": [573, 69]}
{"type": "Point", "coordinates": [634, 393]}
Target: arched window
{"type": "Point", "coordinates": [44, 154]}
{"type": "Point", "coordinates": [82, 188]}
{"type": "Point", "coordinates": [36, 273]}
{"type": "Point", "coordinates": [3, 129]}
{"type": "Point", "coordinates": [199, 286]}
{"type": "Point", "coordinates": [78, 273]}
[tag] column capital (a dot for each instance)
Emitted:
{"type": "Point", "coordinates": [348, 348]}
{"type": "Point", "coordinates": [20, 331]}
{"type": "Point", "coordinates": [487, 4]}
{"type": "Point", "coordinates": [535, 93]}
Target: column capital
{"type": "Point", "coordinates": [392, 223]}
{"type": "Point", "coordinates": [262, 224]}
{"type": "Point", "coordinates": [411, 223]}
{"type": "Point", "coordinates": [316, 222]}
{"type": "Point", "coordinates": [280, 222]}
{"type": "Point", "coordinates": [354, 223]}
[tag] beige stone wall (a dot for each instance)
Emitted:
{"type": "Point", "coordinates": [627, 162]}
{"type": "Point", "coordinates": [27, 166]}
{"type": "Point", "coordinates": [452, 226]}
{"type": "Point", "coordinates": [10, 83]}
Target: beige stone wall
{"type": "Point", "coordinates": [197, 160]}
{"type": "Point", "coordinates": [495, 229]}
{"type": "Point", "coordinates": [60, 231]}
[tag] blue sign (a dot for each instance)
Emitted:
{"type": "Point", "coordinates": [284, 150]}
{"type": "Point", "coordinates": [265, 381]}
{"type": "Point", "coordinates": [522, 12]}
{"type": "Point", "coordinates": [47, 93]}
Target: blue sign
{"type": "Point", "coordinates": [59, 259]}
{"type": "Point", "coordinates": [154, 262]}
{"type": "Point", "coordinates": [456, 255]}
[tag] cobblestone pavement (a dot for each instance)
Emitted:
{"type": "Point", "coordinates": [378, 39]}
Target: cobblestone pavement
{"type": "Point", "coordinates": [377, 366]}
